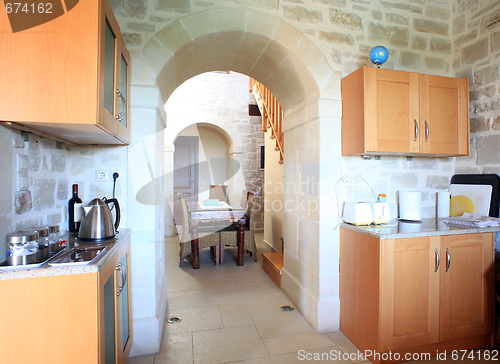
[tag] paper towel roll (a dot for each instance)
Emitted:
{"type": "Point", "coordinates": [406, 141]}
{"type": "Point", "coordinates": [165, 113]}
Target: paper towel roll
{"type": "Point", "coordinates": [410, 205]}
{"type": "Point", "coordinates": [443, 204]}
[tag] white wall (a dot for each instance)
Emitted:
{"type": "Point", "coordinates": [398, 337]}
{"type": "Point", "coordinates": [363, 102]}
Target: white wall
{"type": "Point", "coordinates": [212, 144]}
{"type": "Point", "coordinates": [273, 195]}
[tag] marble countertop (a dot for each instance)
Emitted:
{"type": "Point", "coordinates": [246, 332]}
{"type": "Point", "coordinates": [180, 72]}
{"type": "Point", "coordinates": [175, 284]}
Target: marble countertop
{"type": "Point", "coordinates": [428, 227]}
{"type": "Point", "coordinates": [48, 270]}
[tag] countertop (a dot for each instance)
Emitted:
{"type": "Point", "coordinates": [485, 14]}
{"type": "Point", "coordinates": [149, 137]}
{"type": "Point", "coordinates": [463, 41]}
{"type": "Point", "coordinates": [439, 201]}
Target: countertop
{"type": "Point", "coordinates": [428, 227]}
{"type": "Point", "coordinates": [48, 270]}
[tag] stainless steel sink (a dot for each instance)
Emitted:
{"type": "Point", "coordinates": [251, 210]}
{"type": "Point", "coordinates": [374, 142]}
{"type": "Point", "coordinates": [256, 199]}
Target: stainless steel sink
{"type": "Point", "coordinates": [80, 255]}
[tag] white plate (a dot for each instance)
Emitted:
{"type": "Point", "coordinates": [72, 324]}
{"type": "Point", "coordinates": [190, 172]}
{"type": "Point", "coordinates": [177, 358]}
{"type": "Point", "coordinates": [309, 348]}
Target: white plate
{"type": "Point", "coordinates": [480, 196]}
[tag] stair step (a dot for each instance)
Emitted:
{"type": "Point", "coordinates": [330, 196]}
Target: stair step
{"type": "Point", "coordinates": [272, 263]}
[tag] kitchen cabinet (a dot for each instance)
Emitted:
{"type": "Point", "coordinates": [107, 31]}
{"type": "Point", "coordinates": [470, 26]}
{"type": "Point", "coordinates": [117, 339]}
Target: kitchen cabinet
{"type": "Point", "coordinates": [69, 77]}
{"type": "Point", "coordinates": [396, 112]}
{"type": "Point", "coordinates": [67, 317]}
{"type": "Point", "coordinates": [114, 308]}
{"type": "Point", "coordinates": [417, 295]}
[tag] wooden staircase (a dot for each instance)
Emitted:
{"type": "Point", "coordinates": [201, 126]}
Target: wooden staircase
{"type": "Point", "coordinates": [272, 113]}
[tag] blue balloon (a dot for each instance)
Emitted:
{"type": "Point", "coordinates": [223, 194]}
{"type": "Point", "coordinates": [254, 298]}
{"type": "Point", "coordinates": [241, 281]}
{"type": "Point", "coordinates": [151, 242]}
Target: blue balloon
{"type": "Point", "coordinates": [379, 55]}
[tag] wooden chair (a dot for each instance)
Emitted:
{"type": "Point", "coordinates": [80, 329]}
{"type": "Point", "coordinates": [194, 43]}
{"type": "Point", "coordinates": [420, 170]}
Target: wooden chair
{"type": "Point", "coordinates": [208, 236]}
{"type": "Point", "coordinates": [218, 191]}
{"type": "Point", "coordinates": [228, 234]}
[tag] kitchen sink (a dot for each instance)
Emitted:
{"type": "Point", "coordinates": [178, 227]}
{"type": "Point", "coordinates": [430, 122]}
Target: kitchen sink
{"type": "Point", "coordinates": [80, 255]}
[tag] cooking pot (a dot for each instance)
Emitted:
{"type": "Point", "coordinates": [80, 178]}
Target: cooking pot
{"type": "Point", "coordinates": [97, 223]}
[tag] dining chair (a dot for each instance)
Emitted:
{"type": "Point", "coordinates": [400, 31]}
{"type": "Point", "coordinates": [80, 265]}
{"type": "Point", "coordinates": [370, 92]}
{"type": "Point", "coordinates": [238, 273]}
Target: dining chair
{"type": "Point", "coordinates": [218, 191]}
{"type": "Point", "coordinates": [208, 236]}
{"type": "Point", "coordinates": [229, 234]}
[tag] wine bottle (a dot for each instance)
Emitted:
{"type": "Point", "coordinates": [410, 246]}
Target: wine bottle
{"type": "Point", "coordinates": [75, 211]}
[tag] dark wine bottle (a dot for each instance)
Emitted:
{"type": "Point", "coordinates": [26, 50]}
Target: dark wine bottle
{"type": "Point", "coordinates": [75, 211]}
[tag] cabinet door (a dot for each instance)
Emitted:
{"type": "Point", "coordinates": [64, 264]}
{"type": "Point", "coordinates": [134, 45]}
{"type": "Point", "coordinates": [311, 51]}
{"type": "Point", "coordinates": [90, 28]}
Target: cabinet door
{"type": "Point", "coordinates": [110, 39]}
{"type": "Point", "coordinates": [444, 117]}
{"type": "Point", "coordinates": [410, 292]}
{"type": "Point", "coordinates": [107, 312]}
{"type": "Point", "coordinates": [124, 332]}
{"type": "Point", "coordinates": [122, 93]}
{"type": "Point", "coordinates": [391, 111]}
{"type": "Point", "coordinates": [467, 285]}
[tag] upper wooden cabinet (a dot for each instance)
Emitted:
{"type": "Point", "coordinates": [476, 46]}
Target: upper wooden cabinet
{"type": "Point", "coordinates": [68, 77]}
{"type": "Point", "coordinates": [395, 112]}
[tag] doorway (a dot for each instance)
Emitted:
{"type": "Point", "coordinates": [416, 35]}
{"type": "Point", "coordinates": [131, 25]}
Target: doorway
{"type": "Point", "coordinates": [185, 172]}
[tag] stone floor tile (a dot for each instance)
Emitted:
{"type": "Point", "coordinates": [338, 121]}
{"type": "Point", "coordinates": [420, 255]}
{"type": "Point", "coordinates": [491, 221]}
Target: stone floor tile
{"type": "Point", "coordinates": [236, 319]}
{"type": "Point", "coordinates": [176, 348]}
{"type": "Point", "coordinates": [246, 307]}
{"type": "Point", "coordinates": [293, 343]}
{"type": "Point", "coordinates": [337, 337]}
{"type": "Point", "coordinates": [225, 345]}
{"type": "Point", "coordinates": [194, 319]}
{"type": "Point", "coordinates": [279, 323]}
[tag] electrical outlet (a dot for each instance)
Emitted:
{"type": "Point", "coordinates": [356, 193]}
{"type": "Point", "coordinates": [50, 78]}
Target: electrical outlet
{"type": "Point", "coordinates": [102, 175]}
{"type": "Point", "coordinates": [351, 178]}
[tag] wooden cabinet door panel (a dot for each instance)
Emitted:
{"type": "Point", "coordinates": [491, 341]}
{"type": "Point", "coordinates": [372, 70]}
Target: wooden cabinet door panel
{"type": "Point", "coordinates": [412, 283]}
{"type": "Point", "coordinates": [444, 115]}
{"type": "Point", "coordinates": [467, 286]}
{"type": "Point", "coordinates": [394, 116]}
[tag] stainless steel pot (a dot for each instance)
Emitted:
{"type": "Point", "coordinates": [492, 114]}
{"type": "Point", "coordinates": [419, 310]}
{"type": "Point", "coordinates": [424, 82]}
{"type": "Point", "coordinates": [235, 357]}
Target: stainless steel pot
{"type": "Point", "coordinates": [97, 223]}
{"type": "Point", "coordinates": [22, 248]}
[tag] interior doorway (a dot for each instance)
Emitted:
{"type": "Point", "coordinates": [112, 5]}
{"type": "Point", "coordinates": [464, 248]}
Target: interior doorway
{"type": "Point", "coordinates": [185, 172]}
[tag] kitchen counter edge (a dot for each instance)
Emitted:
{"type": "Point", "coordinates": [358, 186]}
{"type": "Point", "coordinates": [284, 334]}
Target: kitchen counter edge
{"type": "Point", "coordinates": [48, 270]}
{"type": "Point", "coordinates": [428, 227]}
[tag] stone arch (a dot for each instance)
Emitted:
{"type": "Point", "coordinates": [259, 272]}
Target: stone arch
{"type": "Point", "coordinates": [297, 73]}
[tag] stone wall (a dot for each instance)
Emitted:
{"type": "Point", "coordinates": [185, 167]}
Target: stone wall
{"type": "Point", "coordinates": [419, 36]}
{"type": "Point", "coordinates": [221, 99]}
{"type": "Point", "coordinates": [43, 175]}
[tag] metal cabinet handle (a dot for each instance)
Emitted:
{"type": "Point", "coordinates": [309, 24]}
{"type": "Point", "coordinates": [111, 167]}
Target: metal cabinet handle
{"type": "Point", "coordinates": [437, 260]}
{"type": "Point", "coordinates": [123, 103]}
{"type": "Point", "coordinates": [120, 289]}
{"type": "Point", "coordinates": [416, 130]}
{"type": "Point", "coordinates": [426, 130]}
{"type": "Point", "coordinates": [448, 259]}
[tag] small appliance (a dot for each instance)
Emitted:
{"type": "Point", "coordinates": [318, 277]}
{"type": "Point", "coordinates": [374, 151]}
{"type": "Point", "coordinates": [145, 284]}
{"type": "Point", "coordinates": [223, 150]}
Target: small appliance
{"type": "Point", "coordinates": [97, 223]}
{"type": "Point", "coordinates": [358, 213]}
{"type": "Point", "coordinates": [381, 213]}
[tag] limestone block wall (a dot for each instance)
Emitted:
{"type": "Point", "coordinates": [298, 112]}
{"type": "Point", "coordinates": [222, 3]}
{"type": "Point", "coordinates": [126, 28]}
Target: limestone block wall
{"type": "Point", "coordinates": [476, 55]}
{"type": "Point", "coordinates": [40, 184]}
{"type": "Point", "coordinates": [419, 36]}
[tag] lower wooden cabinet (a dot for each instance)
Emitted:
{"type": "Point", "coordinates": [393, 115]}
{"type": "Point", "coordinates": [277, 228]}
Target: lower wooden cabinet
{"type": "Point", "coordinates": [68, 318]}
{"type": "Point", "coordinates": [417, 295]}
{"type": "Point", "coordinates": [115, 329]}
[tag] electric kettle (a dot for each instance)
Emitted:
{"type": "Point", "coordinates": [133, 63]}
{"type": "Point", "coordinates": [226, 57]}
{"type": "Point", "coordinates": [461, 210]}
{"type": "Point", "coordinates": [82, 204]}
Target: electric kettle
{"type": "Point", "coordinates": [97, 223]}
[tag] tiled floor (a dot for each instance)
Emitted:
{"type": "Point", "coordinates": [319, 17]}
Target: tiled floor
{"type": "Point", "coordinates": [232, 314]}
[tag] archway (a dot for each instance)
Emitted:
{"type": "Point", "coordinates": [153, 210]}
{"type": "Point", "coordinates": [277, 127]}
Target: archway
{"type": "Point", "coordinates": [296, 72]}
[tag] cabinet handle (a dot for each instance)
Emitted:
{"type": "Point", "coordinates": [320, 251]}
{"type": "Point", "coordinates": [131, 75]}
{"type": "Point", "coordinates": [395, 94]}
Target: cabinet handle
{"type": "Point", "coordinates": [437, 260]}
{"type": "Point", "coordinates": [416, 130]}
{"type": "Point", "coordinates": [120, 289]}
{"type": "Point", "coordinates": [426, 131]}
{"type": "Point", "coordinates": [119, 117]}
{"type": "Point", "coordinates": [448, 259]}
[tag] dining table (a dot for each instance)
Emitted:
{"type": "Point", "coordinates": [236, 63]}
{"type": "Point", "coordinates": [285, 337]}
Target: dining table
{"type": "Point", "coordinates": [221, 211]}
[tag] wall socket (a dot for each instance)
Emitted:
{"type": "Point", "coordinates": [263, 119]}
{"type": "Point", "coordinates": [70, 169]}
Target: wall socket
{"type": "Point", "coordinates": [351, 178]}
{"type": "Point", "coordinates": [102, 175]}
